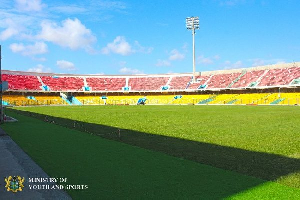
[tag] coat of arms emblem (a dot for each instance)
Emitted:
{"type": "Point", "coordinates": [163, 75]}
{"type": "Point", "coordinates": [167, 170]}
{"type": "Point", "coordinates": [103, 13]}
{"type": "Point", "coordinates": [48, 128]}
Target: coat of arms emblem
{"type": "Point", "coordinates": [14, 183]}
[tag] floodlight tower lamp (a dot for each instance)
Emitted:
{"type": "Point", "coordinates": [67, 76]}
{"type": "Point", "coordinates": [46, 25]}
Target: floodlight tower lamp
{"type": "Point", "coordinates": [192, 23]}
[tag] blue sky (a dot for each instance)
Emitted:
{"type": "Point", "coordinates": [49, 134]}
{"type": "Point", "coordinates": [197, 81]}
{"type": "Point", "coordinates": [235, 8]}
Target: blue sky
{"type": "Point", "coordinates": [149, 36]}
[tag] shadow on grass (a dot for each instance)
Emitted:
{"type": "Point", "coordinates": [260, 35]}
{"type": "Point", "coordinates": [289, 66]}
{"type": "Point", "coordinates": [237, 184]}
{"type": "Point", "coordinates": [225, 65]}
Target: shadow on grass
{"type": "Point", "coordinates": [257, 164]}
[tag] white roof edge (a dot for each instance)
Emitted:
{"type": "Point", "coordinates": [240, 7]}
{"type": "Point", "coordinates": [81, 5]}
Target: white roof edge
{"type": "Point", "coordinates": [204, 73]}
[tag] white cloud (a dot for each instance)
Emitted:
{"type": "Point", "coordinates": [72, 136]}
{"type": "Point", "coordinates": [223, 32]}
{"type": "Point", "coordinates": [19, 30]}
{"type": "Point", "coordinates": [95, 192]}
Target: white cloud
{"type": "Point", "coordinates": [72, 34]}
{"type": "Point", "coordinates": [161, 63]}
{"type": "Point", "coordinates": [126, 70]}
{"type": "Point", "coordinates": [40, 68]}
{"type": "Point", "coordinates": [261, 62]}
{"type": "Point", "coordinates": [173, 55]}
{"type": "Point", "coordinates": [29, 50]}
{"type": "Point", "coordinates": [236, 65]}
{"type": "Point", "coordinates": [184, 47]}
{"type": "Point", "coordinates": [176, 55]}
{"type": "Point", "coordinates": [122, 47]}
{"type": "Point", "coordinates": [207, 60]}
{"type": "Point", "coordinates": [7, 33]}
{"type": "Point", "coordinates": [69, 9]}
{"type": "Point", "coordinates": [216, 57]}
{"type": "Point", "coordinates": [11, 29]}
{"type": "Point", "coordinates": [118, 46]}
{"type": "Point", "coordinates": [141, 49]}
{"type": "Point", "coordinates": [258, 62]}
{"type": "Point", "coordinates": [66, 65]}
{"type": "Point", "coordinates": [29, 5]}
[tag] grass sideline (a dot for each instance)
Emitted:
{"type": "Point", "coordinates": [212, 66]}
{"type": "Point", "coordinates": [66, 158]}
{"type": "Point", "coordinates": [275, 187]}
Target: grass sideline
{"type": "Point", "coordinates": [115, 170]}
{"type": "Point", "coordinates": [262, 141]}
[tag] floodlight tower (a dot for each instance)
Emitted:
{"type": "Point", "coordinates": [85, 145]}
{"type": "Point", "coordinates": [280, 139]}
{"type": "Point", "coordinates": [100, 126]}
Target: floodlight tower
{"type": "Point", "coordinates": [192, 23]}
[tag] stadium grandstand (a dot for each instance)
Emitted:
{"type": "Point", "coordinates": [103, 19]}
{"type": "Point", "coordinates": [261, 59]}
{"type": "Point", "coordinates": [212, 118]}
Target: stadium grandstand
{"type": "Point", "coordinates": [277, 84]}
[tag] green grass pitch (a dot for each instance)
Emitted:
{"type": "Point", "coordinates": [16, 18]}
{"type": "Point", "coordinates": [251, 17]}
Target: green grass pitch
{"type": "Point", "coordinates": [170, 152]}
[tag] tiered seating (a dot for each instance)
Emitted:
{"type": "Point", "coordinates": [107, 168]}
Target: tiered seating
{"type": "Point", "coordinates": [222, 80]}
{"type": "Point", "coordinates": [290, 98]}
{"type": "Point", "coordinates": [90, 100]}
{"type": "Point", "coordinates": [49, 100]}
{"type": "Point", "coordinates": [282, 76]}
{"type": "Point", "coordinates": [59, 83]}
{"type": "Point", "coordinates": [106, 84]}
{"type": "Point", "coordinates": [224, 99]}
{"type": "Point", "coordinates": [248, 78]}
{"type": "Point", "coordinates": [256, 98]}
{"type": "Point", "coordinates": [17, 100]}
{"type": "Point", "coordinates": [179, 82]}
{"type": "Point", "coordinates": [22, 82]}
{"type": "Point", "coordinates": [147, 83]}
{"type": "Point", "coordinates": [259, 77]}
{"type": "Point", "coordinates": [203, 79]}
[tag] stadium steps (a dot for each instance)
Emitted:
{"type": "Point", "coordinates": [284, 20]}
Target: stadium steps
{"type": "Point", "coordinates": [295, 82]}
{"type": "Point", "coordinates": [266, 98]}
{"type": "Point", "coordinates": [232, 101]}
{"type": "Point", "coordinates": [167, 86]}
{"type": "Point", "coordinates": [204, 85]}
{"type": "Point", "coordinates": [71, 100]}
{"type": "Point", "coordinates": [31, 97]}
{"type": "Point", "coordinates": [170, 79]}
{"type": "Point", "coordinates": [4, 103]}
{"type": "Point", "coordinates": [252, 84]}
{"type": "Point", "coordinates": [127, 82]}
{"type": "Point", "coordinates": [189, 83]}
{"type": "Point", "coordinates": [237, 79]}
{"type": "Point", "coordinates": [277, 101]}
{"type": "Point", "coordinates": [206, 101]}
{"type": "Point", "coordinates": [43, 85]}
{"type": "Point", "coordinates": [65, 98]}
{"type": "Point", "coordinates": [75, 101]}
{"type": "Point", "coordinates": [261, 77]}
{"type": "Point", "coordinates": [84, 82]}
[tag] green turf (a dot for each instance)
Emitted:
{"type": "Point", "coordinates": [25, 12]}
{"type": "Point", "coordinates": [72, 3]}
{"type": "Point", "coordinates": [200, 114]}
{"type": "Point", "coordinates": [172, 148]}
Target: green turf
{"type": "Point", "coordinates": [265, 129]}
{"type": "Point", "coordinates": [268, 134]}
{"type": "Point", "coordinates": [114, 170]}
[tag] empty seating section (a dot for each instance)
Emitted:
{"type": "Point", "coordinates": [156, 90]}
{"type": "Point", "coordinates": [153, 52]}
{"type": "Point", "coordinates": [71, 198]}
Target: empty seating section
{"type": "Point", "coordinates": [22, 82]}
{"type": "Point", "coordinates": [282, 76]}
{"type": "Point", "coordinates": [20, 100]}
{"type": "Point", "coordinates": [259, 77]}
{"type": "Point", "coordinates": [59, 83]}
{"type": "Point", "coordinates": [50, 100]}
{"type": "Point", "coordinates": [106, 84]}
{"type": "Point", "coordinates": [222, 80]}
{"type": "Point", "coordinates": [252, 98]}
{"type": "Point", "coordinates": [200, 81]}
{"type": "Point", "coordinates": [90, 100]}
{"type": "Point", "coordinates": [179, 82]}
{"type": "Point", "coordinates": [290, 98]}
{"type": "Point", "coordinates": [132, 100]}
{"type": "Point", "coordinates": [17, 100]}
{"type": "Point", "coordinates": [255, 98]}
{"type": "Point", "coordinates": [147, 83]}
{"type": "Point", "coordinates": [248, 78]}
{"type": "Point", "coordinates": [224, 98]}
